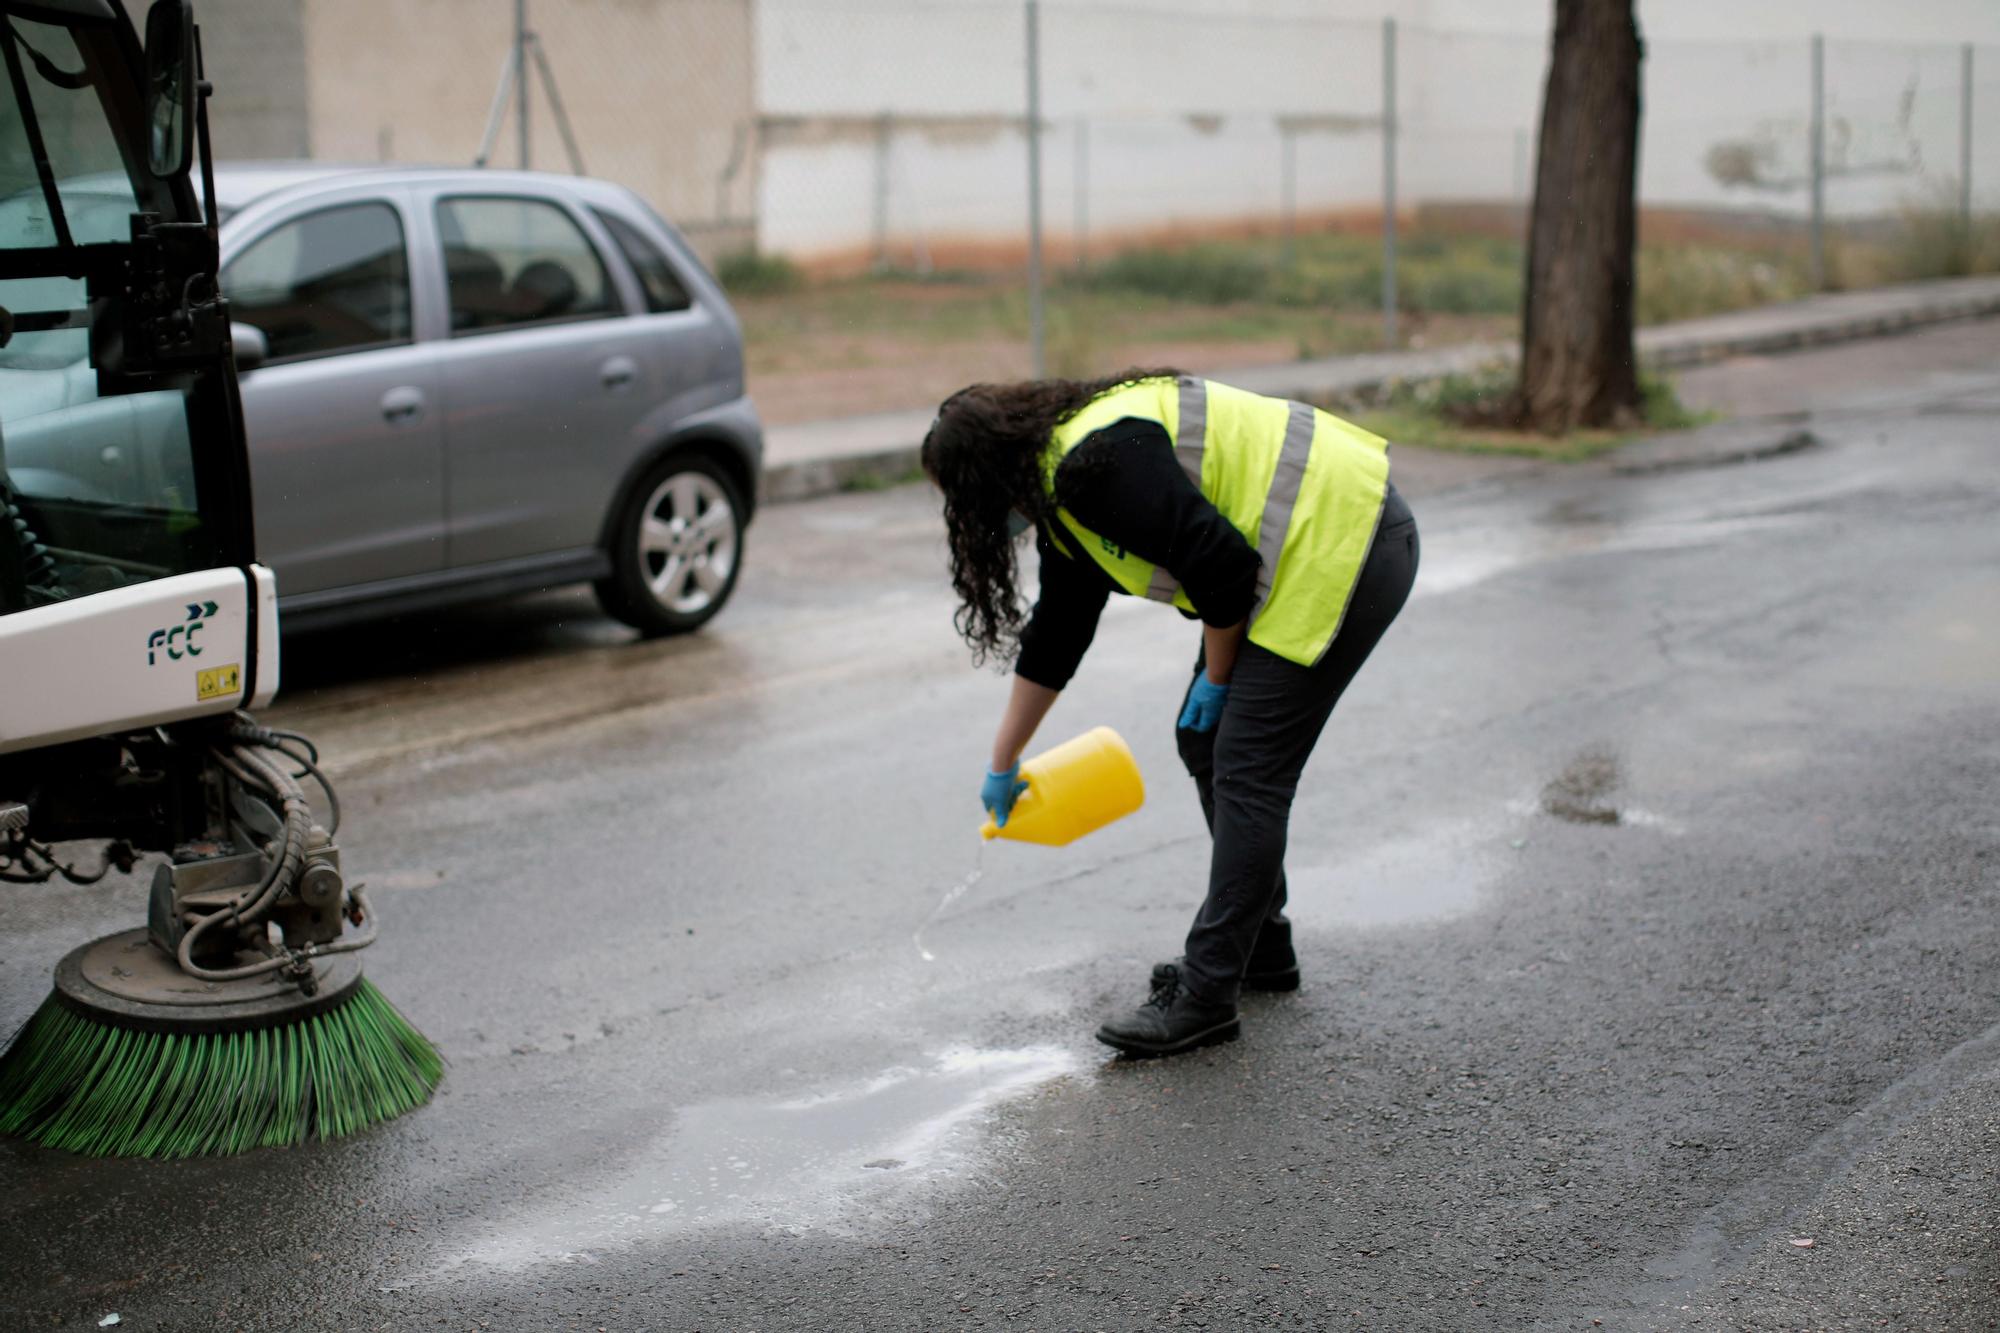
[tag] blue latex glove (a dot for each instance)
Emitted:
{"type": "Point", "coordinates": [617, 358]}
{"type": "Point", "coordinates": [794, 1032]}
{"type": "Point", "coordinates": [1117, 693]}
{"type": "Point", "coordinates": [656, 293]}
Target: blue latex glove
{"type": "Point", "coordinates": [1204, 705]}
{"type": "Point", "coordinates": [999, 792]}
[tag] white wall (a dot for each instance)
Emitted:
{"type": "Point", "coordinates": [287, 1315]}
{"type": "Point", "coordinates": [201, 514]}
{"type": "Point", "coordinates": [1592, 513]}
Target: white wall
{"type": "Point", "coordinates": [1182, 100]}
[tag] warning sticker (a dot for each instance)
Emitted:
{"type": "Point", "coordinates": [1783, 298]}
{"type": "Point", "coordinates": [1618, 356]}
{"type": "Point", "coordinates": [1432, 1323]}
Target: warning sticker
{"type": "Point", "coordinates": [218, 682]}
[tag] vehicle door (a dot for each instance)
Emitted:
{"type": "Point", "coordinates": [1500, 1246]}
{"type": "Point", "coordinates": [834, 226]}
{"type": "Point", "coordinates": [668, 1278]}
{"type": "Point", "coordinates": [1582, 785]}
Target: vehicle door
{"type": "Point", "coordinates": [346, 440]}
{"type": "Point", "coordinates": [692, 348]}
{"type": "Point", "coordinates": [544, 378]}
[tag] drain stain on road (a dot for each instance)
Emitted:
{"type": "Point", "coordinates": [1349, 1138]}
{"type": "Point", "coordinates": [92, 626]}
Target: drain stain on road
{"type": "Point", "coordinates": [1578, 794]}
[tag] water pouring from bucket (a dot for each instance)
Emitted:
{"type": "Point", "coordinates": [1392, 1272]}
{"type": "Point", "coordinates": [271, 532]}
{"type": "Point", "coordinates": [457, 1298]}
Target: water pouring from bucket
{"type": "Point", "coordinates": [1076, 788]}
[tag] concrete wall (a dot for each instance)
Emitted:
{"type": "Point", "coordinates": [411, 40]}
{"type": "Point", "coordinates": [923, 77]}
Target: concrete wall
{"type": "Point", "coordinates": [256, 57]}
{"type": "Point", "coordinates": [896, 126]}
{"type": "Point", "coordinates": [659, 92]}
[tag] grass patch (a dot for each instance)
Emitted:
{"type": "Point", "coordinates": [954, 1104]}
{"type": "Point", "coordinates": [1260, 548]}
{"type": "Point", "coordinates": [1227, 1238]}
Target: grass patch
{"type": "Point", "coordinates": [1454, 413]}
{"type": "Point", "coordinates": [1407, 426]}
{"type": "Point", "coordinates": [1453, 275]}
{"type": "Point", "coordinates": [1690, 281]}
{"type": "Point", "coordinates": [1935, 240]}
{"type": "Point", "coordinates": [866, 482]}
{"type": "Point", "coordinates": [753, 273]}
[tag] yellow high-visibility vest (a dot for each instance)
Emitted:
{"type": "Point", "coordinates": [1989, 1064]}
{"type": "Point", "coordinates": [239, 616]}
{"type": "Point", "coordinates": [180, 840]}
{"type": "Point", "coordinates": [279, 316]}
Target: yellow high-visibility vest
{"type": "Point", "coordinates": [1303, 487]}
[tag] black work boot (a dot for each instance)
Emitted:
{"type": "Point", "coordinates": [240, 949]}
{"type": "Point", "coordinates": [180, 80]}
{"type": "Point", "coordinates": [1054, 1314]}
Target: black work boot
{"type": "Point", "coordinates": [1172, 1020]}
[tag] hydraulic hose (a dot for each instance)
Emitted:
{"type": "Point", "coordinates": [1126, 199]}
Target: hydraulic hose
{"type": "Point", "coordinates": [255, 771]}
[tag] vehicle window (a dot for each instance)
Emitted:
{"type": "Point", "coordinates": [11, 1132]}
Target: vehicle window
{"type": "Point", "coordinates": [664, 293]}
{"type": "Point", "coordinates": [97, 471]}
{"type": "Point", "coordinates": [92, 190]}
{"type": "Point", "coordinates": [510, 262]}
{"type": "Point", "coordinates": [331, 281]}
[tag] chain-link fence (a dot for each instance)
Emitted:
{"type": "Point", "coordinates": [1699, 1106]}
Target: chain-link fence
{"type": "Point", "coordinates": [1359, 182]}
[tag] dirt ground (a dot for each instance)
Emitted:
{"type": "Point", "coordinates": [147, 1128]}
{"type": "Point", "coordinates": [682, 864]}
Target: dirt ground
{"type": "Point", "coordinates": [809, 365]}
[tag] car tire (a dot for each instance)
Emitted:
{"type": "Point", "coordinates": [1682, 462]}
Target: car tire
{"type": "Point", "coordinates": [676, 548]}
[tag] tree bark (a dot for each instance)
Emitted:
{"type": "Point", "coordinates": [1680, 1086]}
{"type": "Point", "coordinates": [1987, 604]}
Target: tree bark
{"type": "Point", "coordinates": [1578, 366]}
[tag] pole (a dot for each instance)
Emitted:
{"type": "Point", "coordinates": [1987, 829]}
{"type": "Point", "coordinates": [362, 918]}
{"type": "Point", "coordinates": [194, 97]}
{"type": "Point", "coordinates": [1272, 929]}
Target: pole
{"type": "Point", "coordinates": [1965, 139]}
{"type": "Point", "coordinates": [521, 79]}
{"type": "Point", "coordinates": [1288, 182]}
{"type": "Point", "coordinates": [1082, 239]}
{"type": "Point", "coordinates": [883, 128]}
{"type": "Point", "coordinates": [556, 105]}
{"type": "Point", "coordinates": [1389, 182]}
{"type": "Point", "coordinates": [1818, 163]}
{"type": "Point", "coordinates": [1037, 344]}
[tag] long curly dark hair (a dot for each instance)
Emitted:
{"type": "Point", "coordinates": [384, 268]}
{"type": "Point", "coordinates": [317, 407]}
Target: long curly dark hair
{"type": "Point", "coordinates": [984, 452]}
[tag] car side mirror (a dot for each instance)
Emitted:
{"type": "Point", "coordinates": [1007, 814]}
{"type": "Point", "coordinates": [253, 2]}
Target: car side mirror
{"type": "Point", "coordinates": [253, 349]}
{"type": "Point", "coordinates": [170, 88]}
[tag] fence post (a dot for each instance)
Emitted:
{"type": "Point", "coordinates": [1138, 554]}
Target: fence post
{"type": "Point", "coordinates": [521, 79]}
{"type": "Point", "coordinates": [1521, 188]}
{"type": "Point", "coordinates": [1818, 163]}
{"type": "Point", "coordinates": [1036, 340]}
{"type": "Point", "coordinates": [1082, 224]}
{"type": "Point", "coordinates": [884, 128]}
{"type": "Point", "coordinates": [1288, 183]}
{"type": "Point", "coordinates": [1965, 139]}
{"type": "Point", "coordinates": [1389, 182]}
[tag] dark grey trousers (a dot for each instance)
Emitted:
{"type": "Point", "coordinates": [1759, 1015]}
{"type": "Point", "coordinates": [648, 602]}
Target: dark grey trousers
{"type": "Point", "coordinates": [1247, 769]}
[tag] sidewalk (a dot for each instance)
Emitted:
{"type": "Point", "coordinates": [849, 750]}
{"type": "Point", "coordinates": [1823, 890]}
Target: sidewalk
{"type": "Point", "coordinates": [821, 457]}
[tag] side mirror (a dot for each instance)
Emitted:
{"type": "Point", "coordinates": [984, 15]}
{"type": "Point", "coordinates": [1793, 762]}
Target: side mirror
{"type": "Point", "coordinates": [170, 88]}
{"type": "Point", "coordinates": [253, 349]}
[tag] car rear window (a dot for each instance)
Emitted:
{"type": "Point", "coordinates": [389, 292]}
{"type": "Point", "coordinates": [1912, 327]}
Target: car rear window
{"type": "Point", "coordinates": [664, 292]}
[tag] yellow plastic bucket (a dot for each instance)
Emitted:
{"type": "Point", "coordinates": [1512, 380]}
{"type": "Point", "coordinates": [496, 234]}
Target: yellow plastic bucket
{"type": "Point", "coordinates": [1079, 786]}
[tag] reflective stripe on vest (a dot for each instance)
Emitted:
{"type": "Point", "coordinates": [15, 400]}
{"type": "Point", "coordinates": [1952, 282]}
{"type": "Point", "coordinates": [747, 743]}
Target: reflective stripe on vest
{"type": "Point", "coordinates": [1190, 439]}
{"type": "Point", "coordinates": [1310, 507]}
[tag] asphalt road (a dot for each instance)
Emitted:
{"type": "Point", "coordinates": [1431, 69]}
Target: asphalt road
{"type": "Point", "coordinates": [1646, 885]}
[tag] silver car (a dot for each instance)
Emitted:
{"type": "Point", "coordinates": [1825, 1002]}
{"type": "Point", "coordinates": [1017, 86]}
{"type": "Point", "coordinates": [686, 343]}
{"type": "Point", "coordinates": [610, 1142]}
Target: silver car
{"type": "Point", "coordinates": [466, 383]}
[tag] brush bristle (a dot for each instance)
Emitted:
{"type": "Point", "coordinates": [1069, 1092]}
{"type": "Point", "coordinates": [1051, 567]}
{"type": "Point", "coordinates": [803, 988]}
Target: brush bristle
{"type": "Point", "coordinates": [74, 1083]}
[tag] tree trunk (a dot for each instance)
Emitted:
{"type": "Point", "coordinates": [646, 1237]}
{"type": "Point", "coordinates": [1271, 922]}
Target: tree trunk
{"type": "Point", "coordinates": [1577, 362]}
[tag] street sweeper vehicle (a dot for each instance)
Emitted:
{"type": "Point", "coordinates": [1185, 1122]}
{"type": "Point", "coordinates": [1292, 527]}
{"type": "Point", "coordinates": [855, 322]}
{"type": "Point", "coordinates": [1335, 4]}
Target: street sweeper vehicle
{"type": "Point", "coordinates": [136, 631]}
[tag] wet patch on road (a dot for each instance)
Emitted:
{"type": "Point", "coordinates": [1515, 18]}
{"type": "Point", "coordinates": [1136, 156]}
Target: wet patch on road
{"type": "Point", "coordinates": [810, 1162]}
{"type": "Point", "coordinates": [1468, 556]}
{"type": "Point", "coordinates": [1430, 876]}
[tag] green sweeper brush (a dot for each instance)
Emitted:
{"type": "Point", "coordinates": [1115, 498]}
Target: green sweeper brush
{"type": "Point", "coordinates": [238, 1018]}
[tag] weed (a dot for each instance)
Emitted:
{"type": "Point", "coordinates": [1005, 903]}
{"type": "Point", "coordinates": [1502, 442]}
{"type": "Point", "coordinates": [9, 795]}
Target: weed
{"type": "Point", "coordinates": [1661, 407]}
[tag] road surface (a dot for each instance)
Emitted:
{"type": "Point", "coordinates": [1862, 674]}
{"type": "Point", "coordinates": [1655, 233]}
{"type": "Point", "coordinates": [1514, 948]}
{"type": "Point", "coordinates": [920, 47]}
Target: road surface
{"type": "Point", "coordinates": [1648, 889]}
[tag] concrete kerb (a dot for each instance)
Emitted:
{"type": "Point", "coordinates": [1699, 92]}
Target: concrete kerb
{"type": "Point", "coordinates": [882, 450]}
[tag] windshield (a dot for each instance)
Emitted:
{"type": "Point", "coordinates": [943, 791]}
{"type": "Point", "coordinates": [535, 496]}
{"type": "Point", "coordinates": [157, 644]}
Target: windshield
{"type": "Point", "coordinates": [97, 473]}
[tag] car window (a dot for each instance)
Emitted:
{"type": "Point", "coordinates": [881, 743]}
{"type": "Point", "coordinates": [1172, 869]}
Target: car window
{"type": "Point", "coordinates": [332, 281]}
{"type": "Point", "coordinates": [510, 262]}
{"type": "Point", "coordinates": [664, 292]}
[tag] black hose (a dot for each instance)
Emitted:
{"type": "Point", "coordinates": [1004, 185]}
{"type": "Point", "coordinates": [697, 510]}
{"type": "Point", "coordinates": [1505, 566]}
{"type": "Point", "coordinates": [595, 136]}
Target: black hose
{"type": "Point", "coordinates": [257, 772]}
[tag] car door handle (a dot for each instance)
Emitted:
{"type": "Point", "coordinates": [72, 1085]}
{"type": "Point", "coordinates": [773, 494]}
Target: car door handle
{"type": "Point", "coordinates": [403, 405]}
{"type": "Point", "coordinates": [618, 372]}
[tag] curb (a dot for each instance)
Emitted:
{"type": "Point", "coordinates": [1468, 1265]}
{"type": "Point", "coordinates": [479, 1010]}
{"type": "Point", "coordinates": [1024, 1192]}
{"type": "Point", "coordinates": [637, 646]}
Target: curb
{"type": "Point", "coordinates": [891, 465]}
{"type": "Point", "coordinates": [810, 479]}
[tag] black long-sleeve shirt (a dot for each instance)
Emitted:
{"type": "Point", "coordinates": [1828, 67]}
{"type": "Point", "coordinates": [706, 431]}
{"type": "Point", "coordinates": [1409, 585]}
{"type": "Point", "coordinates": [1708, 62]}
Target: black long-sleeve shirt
{"type": "Point", "coordinates": [1124, 484]}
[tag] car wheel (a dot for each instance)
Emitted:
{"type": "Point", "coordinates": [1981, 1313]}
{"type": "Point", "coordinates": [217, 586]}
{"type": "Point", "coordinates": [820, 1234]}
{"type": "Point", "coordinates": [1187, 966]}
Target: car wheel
{"type": "Point", "coordinates": [676, 548]}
